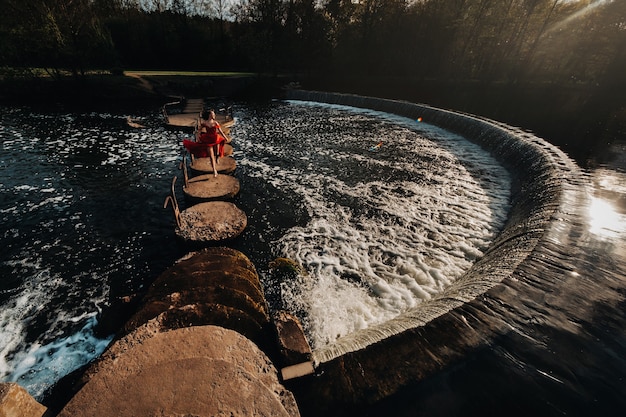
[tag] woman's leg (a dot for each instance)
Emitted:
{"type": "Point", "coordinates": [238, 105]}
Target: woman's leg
{"type": "Point", "coordinates": [213, 161]}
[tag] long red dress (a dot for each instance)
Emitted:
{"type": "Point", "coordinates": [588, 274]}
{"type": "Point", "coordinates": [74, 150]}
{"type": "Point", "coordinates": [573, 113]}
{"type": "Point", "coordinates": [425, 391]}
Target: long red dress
{"type": "Point", "coordinates": [212, 137]}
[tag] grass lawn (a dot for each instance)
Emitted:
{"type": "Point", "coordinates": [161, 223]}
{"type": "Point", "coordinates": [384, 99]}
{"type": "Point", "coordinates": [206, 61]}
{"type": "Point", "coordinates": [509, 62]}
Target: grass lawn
{"type": "Point", "coordinates": [150, 73]}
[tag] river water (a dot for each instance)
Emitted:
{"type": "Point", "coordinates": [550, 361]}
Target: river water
{"type": "Point", "coordinates": [379, 232]}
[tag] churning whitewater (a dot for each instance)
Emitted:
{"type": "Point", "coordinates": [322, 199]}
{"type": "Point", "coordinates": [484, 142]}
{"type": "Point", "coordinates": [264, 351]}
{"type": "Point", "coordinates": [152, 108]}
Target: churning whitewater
{"type": "Point", "coordinates": [384, 230]}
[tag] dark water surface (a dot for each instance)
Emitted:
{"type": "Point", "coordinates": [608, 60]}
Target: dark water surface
{"type": "Point", "coordinates": [81, 208]}
{"type": "Point", "coordinates": [81, 203]}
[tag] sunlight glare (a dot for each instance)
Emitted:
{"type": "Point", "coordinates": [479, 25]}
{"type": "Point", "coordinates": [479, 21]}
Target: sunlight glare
{"type": "Point", "coordinates": [605, 221]}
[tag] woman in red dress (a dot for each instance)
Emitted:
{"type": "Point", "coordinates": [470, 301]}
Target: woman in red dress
{"type": "Point", "coordinates": [209, 141]}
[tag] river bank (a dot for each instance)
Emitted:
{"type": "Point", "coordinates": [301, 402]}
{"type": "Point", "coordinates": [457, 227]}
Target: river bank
{"type": "Point", "coordinates": [131, 89]}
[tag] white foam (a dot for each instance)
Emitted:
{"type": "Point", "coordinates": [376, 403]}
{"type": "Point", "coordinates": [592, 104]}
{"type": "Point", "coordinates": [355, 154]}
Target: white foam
{"type": "Point", "coordinates": [405, 239]}
{"type": "Point", "coordinates": [39, 363]}
{"type": "Point", "coordinates": [415, 228]}
{"type": "Point", "coordinates": [40, 366]}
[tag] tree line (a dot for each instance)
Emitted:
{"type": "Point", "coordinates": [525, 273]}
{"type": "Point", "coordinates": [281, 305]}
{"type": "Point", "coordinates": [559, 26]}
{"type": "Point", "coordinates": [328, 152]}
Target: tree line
{"type": "Point", "coordinates": [485, 40]}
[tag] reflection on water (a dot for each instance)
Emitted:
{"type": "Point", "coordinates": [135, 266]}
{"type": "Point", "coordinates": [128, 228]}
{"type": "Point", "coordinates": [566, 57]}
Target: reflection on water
{"type": "Point", "coordinates": [605, 221]}
{"type": "Point", "coordinates": [607, 209]}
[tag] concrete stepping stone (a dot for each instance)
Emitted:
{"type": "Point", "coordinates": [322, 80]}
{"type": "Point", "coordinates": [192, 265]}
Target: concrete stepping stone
{"type": "Point", "coordinates": [207, 187]}
{"type": "Point", "coordinates": [225, 165]}
{"type": "Point", "coordinates": [207, 222]}
{"type": "Point", "coordinates": [200, 371]}
{"type": "Point", "coordinates": [211, 222]}
{"type": "Point", "coordinates": [218, 286]}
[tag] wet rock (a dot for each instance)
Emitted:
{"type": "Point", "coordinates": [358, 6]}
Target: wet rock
{"type": "Point", "coordinates": [286, 269]}
{"type": "Point", "coordinates": [209, 188]}
{"type": "Point", "coordinates": [15, 401]}
{"type": "Point", "coordinates": [211, 222]}
{"type": "Point", "coordinates": [292, 342]}
{"type": "Point", "coordinates": [353, 278]}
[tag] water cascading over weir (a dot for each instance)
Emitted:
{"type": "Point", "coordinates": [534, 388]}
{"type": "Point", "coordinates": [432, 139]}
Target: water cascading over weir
{"type": "Point", "coordinates": [373, 363]}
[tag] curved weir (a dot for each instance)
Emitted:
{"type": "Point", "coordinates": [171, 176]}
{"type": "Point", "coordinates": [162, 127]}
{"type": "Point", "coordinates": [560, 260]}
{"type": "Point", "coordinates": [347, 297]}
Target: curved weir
{"type": "Point", "coordinates": [541, 178]}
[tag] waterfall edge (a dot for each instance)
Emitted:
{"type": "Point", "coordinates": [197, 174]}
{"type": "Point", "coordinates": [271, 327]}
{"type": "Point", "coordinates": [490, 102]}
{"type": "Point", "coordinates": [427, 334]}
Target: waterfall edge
{"type": "Point", "coordinates": [537, 189]}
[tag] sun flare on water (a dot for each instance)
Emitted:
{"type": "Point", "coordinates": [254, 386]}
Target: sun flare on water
{"type": "Point", "coordinates": [605, 221]}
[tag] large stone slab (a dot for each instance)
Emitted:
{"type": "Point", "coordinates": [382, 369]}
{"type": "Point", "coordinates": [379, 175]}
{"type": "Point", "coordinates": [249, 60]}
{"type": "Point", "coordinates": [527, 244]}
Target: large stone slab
{"type": "Point", "coordinates": [218, 286]}
{"type": "Point", "coordinates": [199, 371]}
{"type": "Point", "coordinates": [15, 401]}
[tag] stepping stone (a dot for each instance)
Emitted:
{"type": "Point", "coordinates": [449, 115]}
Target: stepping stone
{"type": "Point", "coordinates": [183, 120]}
{"type": "Point", "coordinates": [211, 222]}
{"type": "Point", "coordinates": [225, 165]}
{"type": "Point", "coordinates": [207, 187]}
{"type": "Point", "coordinates": [207, 222]}
{"type": "Point", "coordinates": [214, 286]}
{"type": "Point", "coordinates": [199, 371]}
